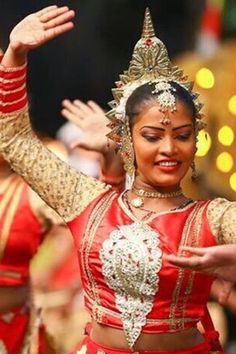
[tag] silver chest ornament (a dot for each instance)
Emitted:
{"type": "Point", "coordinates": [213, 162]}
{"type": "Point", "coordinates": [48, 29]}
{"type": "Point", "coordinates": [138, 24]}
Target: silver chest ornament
{"type": "Point", "coordinates": [131, 260]}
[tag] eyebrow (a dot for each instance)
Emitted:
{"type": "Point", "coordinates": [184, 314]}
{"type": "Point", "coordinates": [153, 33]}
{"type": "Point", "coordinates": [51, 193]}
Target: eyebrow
{"type": "Point", "coordinates": [163, 129]}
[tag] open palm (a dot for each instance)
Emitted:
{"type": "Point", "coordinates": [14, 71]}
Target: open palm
{"type": "Point", "coordinates": [91, 118]}
{"type": "Point", "coordinates": [40, 27]}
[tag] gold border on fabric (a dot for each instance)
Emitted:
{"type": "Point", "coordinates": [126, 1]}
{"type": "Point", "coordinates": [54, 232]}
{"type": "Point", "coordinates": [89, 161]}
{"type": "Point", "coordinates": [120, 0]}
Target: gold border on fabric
{"type": "Point", "coordinates": [181, 272]}
{"type": "Point", "coordinates": [197, 224]}
{"type": "Point", "coordinates": [10, 213]}
{"type": "Point", "coordinates": [92, 225]}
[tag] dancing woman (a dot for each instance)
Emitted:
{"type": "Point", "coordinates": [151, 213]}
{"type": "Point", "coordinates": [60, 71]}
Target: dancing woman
{"type": "Point", "coordinates": [137, 300]}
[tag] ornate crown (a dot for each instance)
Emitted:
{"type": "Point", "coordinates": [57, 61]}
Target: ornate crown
{"type": "Point", "coordinates": [150, 63]}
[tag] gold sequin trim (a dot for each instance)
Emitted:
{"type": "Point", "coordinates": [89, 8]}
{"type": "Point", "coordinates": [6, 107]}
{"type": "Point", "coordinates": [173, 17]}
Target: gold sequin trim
{"type": "Point", "coordinates": [181, 272]}
{"type": "Point", "coordinates": [92, 225]}
{"type": "Point", "coordinates": [59, 185]}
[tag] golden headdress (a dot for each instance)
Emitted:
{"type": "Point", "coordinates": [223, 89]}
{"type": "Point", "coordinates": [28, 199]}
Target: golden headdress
{"type": "Point", "coordinates": [150, 63]}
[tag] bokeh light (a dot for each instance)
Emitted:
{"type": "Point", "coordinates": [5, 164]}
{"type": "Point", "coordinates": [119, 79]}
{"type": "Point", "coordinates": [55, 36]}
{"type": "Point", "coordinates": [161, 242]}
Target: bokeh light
{"type": "Point", "coordinates": [205, 78]}
{"type": "Point", "coordinates": [226, 135]}
{"type": "Point", "coordinates": [224, 162]}
{"type": "Point", "coordinates": [232, 104]}
{"type": "Point", "coordinates": [232, 181]}
{"type": "Point", "coordinates": [203, 143]}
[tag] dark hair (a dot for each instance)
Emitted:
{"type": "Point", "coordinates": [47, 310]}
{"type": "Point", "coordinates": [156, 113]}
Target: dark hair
{"type": "Point", "coordinates": [143, 95]}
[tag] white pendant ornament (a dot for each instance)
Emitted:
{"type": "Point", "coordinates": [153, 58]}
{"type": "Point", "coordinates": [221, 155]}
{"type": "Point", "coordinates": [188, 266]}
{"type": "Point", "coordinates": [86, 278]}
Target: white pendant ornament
{"type": "Point", "coordinates": [137, 202]}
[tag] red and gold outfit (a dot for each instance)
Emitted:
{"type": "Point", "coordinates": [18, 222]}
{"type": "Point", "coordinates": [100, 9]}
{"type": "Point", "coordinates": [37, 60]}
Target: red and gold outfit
{"type": "Point", "coordinates": [24, 221]}
{"type": "Point", "coordinates": [138, 293]}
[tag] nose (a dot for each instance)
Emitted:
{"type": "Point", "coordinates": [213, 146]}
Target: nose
{"type": "Point", "coordinates": [168, 147]}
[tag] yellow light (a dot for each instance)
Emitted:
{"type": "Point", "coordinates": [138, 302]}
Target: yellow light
{"type": "Point", "coordinates": [224, 162]}
{"type": "Point", "coordinates": [226, 135]}
{"type": "Point", "coordinates": [232, 181]}
{"type": "Point", "coordinates": [232, 104]}
{"type": "Point", "coordinates": [205, 78]}
{"type": "Point", "coordinates": [203, 143]}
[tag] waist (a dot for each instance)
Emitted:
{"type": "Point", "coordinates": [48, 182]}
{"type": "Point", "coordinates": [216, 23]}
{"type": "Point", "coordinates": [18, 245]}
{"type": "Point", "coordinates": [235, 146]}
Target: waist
{"type": "Point", "coordinates": [12, 297]}
{"type": "Point", "coordinates": [114, 338]}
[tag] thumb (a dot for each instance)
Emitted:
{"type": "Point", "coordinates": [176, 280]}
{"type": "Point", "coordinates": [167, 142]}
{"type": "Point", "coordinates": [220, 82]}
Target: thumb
{"type": "Point", "coordinates": [80, 144]}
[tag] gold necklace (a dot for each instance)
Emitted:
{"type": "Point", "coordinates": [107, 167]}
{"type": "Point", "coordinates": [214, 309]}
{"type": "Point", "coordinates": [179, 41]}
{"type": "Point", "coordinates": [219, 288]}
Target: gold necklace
{"type": "Point", "coordinates": [141, 193]}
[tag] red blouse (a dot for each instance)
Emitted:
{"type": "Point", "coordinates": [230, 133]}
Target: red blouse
{"type": "Point", "coordinates": [111, 258]}
{"type": "Point", "coordinates": [21, 232]}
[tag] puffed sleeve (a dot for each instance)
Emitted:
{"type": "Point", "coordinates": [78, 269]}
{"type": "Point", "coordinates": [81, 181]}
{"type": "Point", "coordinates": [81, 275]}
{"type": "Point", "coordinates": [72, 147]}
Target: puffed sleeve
{"type": "Point", "coordinates": [65, 190]}
{"type": "Point", "coordinates": [221, 215]}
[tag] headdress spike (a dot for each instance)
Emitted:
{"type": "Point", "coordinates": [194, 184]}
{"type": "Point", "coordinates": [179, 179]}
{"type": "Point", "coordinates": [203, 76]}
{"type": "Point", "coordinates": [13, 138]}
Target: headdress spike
{"type": "Point", "coordinates": [148, 29]}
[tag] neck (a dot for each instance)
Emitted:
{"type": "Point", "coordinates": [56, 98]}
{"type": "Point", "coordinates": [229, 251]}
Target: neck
{"type": "Point", "coordinates": [150, 188]}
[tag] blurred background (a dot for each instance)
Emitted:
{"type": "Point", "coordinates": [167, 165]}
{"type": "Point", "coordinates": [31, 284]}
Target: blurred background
{"type": "Point", "coordinates": [201, 38]}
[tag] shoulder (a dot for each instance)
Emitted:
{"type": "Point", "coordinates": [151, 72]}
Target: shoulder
{"type": "Point", "coordinates": [221, 213]}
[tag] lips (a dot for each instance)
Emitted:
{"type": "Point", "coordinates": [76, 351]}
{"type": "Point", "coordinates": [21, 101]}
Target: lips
{"type": "Point", "coordinates": [168, 165]}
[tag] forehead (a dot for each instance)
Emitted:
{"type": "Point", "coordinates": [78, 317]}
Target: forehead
{"type": "Point", "coordinates": [152, 114]}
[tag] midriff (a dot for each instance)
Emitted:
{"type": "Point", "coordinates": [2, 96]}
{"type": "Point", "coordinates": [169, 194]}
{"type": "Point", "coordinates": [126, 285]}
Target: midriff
{"type": "Point", "coordinates": [12, 297]}
{"type": "Point", "coordinates": [115, 338]}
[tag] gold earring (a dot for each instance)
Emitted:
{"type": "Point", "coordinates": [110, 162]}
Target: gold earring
{"type": "Point", "coordinates": [127, 153]}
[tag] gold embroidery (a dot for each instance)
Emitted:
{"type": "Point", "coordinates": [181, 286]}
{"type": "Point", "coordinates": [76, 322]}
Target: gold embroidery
{"type": "Point", "coordinates": [221, 215]}
{"type": "Point", "coordinates": [59, 185]}
{"type": "Point", "coordinates": [193, 242]}
{"type": "Point", "coordinates": [11, 210]}
{"type": "Point", "coordinates": [181, 272]}
{"type": "Point", "coordinates": [92, 225]}
{"type": "Point", "coordinates": [131, 261]}
{"type": "Point", "coordinates": [158, 321]}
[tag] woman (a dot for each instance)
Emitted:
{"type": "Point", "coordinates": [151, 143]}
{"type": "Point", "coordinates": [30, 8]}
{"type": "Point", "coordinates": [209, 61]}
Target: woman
{"type": "Point", "coordinates": [138, 302]}
{"type": "Point", "coordinates": [24, 220]}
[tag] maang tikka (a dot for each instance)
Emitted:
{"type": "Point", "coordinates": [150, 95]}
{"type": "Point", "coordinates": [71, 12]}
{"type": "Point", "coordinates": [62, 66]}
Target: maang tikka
{"type": "Point", "coordinates": [150, 64]}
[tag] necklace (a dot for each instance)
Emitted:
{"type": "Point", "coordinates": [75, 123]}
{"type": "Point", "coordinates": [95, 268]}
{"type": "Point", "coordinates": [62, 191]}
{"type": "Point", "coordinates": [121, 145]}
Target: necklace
{"type": "Point", "coordinates": [141, 193]}
{"type": "Point", "coordinates": [150, 212]}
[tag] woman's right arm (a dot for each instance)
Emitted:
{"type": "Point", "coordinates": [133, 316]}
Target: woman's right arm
{"type": "Point", "coordinates": [65, 190]}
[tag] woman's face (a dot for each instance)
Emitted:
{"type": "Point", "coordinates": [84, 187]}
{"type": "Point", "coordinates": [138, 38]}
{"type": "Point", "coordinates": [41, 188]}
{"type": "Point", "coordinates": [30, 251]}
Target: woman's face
{"type": "Point", "coordinates": [163, 152]}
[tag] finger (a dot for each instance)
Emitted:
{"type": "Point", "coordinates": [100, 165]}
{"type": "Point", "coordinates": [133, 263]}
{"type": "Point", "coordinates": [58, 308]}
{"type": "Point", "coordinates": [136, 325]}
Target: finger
{"type": "Point", "coordinates": [57, 31]}
{"type": "Point", "coordinates": [78, 144]}
{"type": "Point", "coordinates": [71, 117]}
{"type": "Point", "coordinates": [200, 251]}
{"type": "Point", "coordinates": [84, 107]}
{"type": "Point", "coordinates": [50, 14]}
{"type": "Point", "coordinates": [70, 106]}
{"type": "Point", "coordinates": [59, 20]}
{"type": "Point", "coordinates": [184, 262]}
{"type": "Point", "coordinates": [95, 107]}
{"type": "Point", "coordinates": [45, 10]}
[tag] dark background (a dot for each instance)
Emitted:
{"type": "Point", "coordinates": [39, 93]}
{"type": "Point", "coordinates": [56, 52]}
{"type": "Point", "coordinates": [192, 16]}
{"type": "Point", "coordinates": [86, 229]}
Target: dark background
{"type": "Point", "coordinates": [85, 62]}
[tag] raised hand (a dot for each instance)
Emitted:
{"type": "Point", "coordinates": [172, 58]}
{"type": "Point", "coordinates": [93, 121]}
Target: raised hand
{"type": "Point", "coordinates": [40, 27]}
{"type": "Point", "coordinates": [91, 119]}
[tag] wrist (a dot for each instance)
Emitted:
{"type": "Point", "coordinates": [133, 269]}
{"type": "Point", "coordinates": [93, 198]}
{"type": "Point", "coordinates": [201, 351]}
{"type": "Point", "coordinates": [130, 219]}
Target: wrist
{"type": "Point", "coordinates": [14, 57]}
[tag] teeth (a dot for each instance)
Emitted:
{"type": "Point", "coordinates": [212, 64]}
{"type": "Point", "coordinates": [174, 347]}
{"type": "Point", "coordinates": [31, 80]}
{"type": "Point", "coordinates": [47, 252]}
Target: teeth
{"type": "Point", "coordinates": [168, 163]}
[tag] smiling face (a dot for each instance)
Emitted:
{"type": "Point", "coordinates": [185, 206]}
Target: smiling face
{"type": "Point", "coordinates": [163, 153]}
